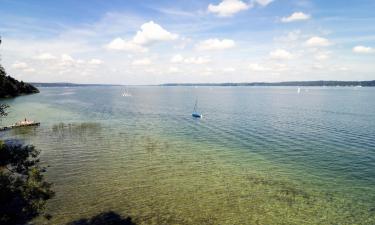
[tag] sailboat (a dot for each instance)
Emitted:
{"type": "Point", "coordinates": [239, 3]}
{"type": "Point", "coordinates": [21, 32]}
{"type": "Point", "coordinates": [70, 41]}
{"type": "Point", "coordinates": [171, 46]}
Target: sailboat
{"type": "Point", "coordinates": [126, 93]}
{"type": "Point", "coordinates": [195, 113]}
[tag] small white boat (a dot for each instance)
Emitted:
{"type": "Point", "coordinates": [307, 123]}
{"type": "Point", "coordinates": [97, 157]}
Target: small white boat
{"type": "Point", "coordinates": [126, 93]}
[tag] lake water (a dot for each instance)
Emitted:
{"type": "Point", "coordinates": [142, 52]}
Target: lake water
{"type": "Point", "coordinates": [259, 155]}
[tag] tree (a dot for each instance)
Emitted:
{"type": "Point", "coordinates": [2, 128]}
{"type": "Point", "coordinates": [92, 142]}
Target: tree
{"type": "Point", "coordinates": [106, 218]}
{"type": "Point", "coordinates": [24, 191]}
{"type": "Point", "coordinates": [3, 108]}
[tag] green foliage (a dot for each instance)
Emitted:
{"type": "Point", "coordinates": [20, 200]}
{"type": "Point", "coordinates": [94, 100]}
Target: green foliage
{"type": "Point", "coordinates": [24, 191]}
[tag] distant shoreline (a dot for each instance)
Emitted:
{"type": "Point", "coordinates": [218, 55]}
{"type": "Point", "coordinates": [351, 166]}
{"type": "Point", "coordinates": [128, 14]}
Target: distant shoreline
{"type": "Point", "coordinates": [251, 84]}
{"type": "Point", "coordinates": [286, 83]}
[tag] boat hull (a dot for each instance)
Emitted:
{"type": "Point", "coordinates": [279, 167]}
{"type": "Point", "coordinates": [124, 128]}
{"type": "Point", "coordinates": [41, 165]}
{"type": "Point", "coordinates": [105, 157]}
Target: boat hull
{"type": "Point", "coordinates": [195, 115]}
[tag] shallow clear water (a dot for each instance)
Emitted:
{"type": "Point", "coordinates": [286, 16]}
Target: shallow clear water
{"type": "Point", "coordinates": [259, 155]}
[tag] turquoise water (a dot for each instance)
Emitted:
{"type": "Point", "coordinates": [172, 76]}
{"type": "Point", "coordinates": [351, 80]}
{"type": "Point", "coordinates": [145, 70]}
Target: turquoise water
{"type": "Point", "coordinates": [259, 155]}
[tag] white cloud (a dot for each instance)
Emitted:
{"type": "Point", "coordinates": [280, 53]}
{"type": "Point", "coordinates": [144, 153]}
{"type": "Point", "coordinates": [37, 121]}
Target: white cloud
{"type": "Point", "coordinates": [190, 60]}
{"type": "Point", "coordinates": [317, 67]}
{"type": "Point", "coordinates": [121, 44]}
{"type": "Point", "coordinates": [279, 67]}
{"type": "Point", "coordinates": [80, 61]}
{"type": "Point", "coordinates": [177, 58]}
{"type": "Point", "coordinates": [152, 32]}
{"type": "Point", "coordinates": [290, 37]}
{"type": "Point", "coordinates": [318, 42]}
{"type": "Point", "coordinates": [268, 67]}
{"type": "Point", "coordinates": [141, 62]}
{"type": "Point", "coordinates": [257, 67]}
{"type": "Point", "coordinates": [207, 71]}
{"type": "Point", "coordinates": [95, 62]}
{"type": "Point", "coordinates": [280, 54]}
{"type": "Point", "coordinates": [216, 44]}
{"type": "Point", "coordinates": [45, 56]}
{"type": "Point", "coordinates": [183, 42]}
{"type": "Point", "coordinates": [20, 65]}
{"type": "Point", "coordinates": [152, 70]}
{"type": "Point", "coordinates": [197, 60]}
{"type": "Point", "coordinates": [340, 68]}
{"type": "Point", "coordinates": [297, 16]}
{"type": "Point", "coordinates": [149, 33]}
{"type": "Point", "coordinates": [322, 55]}
{"type": "Point", "coordinates": [23, 67]}
{"type": "Point", "coordinates": [263, 2]}
{"type": "Point", "coordinates": [29, 70]}
{"type": "Point", "coordinates": [363, 49]}
{"type": "Point", "coordinates": [228, 7]}
{"type": "Point", "coordinates": [66, 58]}
{"type": "Point", "coordinates": [229, 70]}
{"type": "Point", "coordinates": [173, 69]}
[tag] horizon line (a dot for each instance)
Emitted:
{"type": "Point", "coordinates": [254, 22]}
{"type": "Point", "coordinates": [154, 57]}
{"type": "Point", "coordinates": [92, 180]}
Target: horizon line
{"type": "Point", "coordinates": [257, 83]}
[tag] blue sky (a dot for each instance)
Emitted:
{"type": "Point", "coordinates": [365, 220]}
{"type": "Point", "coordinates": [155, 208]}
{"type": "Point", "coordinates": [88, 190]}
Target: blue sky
{"type": "Point", "coordinates": [152, 42]}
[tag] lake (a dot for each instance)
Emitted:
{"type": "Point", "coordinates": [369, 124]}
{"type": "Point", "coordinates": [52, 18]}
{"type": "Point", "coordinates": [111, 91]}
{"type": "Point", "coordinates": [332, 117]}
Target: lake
{"type": "Point", "coordinates": [260, 155]}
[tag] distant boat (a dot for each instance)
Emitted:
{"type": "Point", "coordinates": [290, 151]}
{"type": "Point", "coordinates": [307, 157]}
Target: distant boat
{"type": "Point", "coordinates": [195, 113]}
{"type": "Point", "coordinates": [299, 90]}
{"type": "Point", "coordinates": [126, 93]}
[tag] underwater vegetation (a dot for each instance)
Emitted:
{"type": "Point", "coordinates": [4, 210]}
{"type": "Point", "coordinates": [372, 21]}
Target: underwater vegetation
{"type": "Point", "coordinates": [163, 181]}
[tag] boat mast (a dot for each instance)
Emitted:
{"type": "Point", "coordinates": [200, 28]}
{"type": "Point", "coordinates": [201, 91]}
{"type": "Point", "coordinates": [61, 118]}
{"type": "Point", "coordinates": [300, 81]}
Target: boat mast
{"type": "Point", "coordinates": [196, 105]}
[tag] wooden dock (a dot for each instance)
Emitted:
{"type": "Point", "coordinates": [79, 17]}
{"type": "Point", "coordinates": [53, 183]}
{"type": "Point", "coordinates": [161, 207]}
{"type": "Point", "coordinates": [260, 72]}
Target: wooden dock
{"type": "Point", "coordinates": [20, 124]}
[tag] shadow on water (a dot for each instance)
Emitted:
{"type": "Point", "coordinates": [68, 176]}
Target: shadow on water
{"type": "Point", "coordinates": [106, 218]}
{"type": "Point", "coordinates": [77, 127]}
{"type": "Point", "coordinates": [63, 130]}
{"type": "Point", "coordinates": [30, 131]}
{"type": "Point", "coordinates": [24, 131]}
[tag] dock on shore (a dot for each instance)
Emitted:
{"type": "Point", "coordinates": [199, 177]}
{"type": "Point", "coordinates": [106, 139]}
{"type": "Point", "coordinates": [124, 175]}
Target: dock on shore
{"type": "Point", "coordinates": [25, 123]}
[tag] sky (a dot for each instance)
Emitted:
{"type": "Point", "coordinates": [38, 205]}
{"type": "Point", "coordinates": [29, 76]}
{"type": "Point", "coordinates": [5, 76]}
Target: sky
{"type": "Point", "coordinates": [134, 42]}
